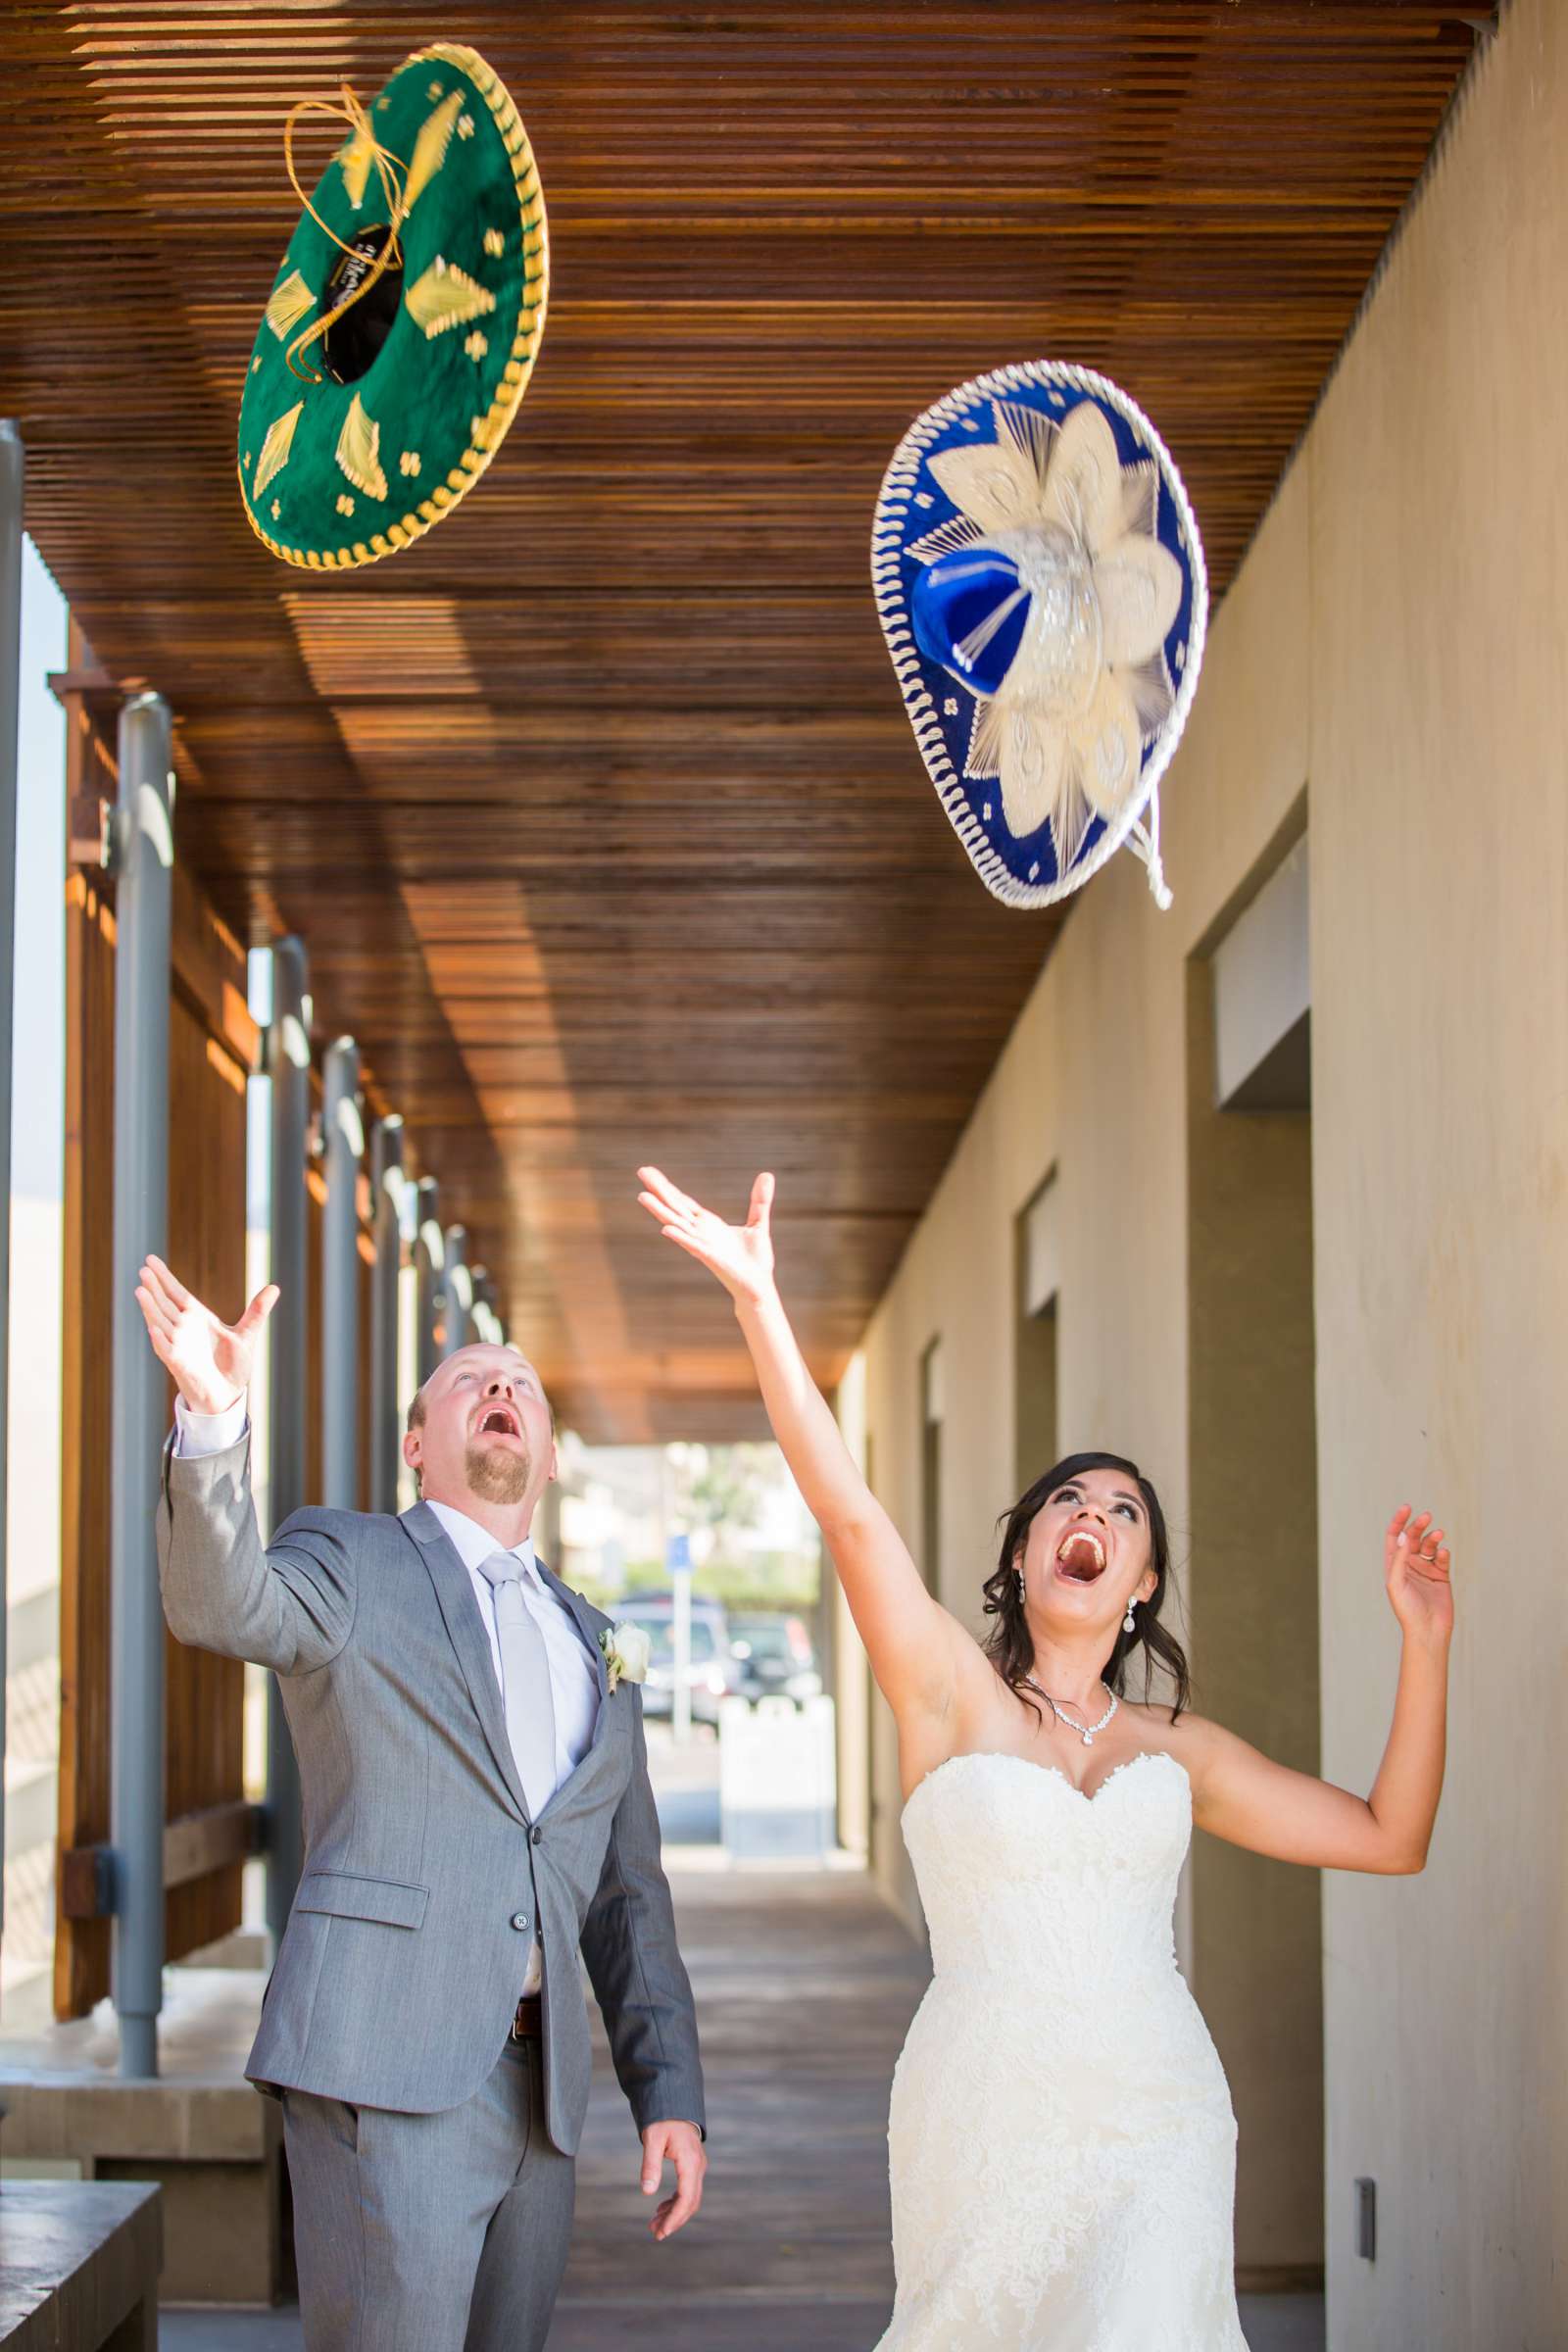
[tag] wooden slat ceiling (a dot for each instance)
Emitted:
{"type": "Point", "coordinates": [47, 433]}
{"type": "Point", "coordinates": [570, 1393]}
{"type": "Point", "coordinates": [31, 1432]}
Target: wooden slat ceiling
{"type": "Point", "coordinates": [598, 810]}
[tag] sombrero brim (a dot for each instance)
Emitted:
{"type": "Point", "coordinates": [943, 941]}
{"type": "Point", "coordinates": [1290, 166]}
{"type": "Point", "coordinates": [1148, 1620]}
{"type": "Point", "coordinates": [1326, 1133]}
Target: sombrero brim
{"type": "Point", "coordinates": [335, 474]}
{"type": "Point", "coordinates": [1001, 619]}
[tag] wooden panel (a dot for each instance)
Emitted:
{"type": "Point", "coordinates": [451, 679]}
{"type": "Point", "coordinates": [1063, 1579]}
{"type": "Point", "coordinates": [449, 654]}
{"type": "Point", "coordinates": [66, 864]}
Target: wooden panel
{"type": "Point", "coordinates": [203, 1693]}
{"type": "Point", "coordinates": [597, 809]}
{"type": "Point", "coordinates": [82, 1949]}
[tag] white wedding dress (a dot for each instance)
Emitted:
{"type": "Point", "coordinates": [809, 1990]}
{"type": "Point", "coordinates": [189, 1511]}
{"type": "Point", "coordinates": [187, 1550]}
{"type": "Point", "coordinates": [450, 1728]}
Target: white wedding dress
{"type": "Point", "coordinates": [1062, 2146]}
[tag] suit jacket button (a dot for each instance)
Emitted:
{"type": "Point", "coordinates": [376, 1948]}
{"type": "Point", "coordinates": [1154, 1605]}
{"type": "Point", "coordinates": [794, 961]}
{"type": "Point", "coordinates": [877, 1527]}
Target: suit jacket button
{"type": "Point", "coordinates": [537, 1835]}
{"type": "Point", "coordinates": [519, 1920]}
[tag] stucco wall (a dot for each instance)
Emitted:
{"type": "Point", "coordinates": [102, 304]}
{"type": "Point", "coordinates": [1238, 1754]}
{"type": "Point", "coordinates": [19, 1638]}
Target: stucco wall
{"type": "Point", "coordinates": [1397, 644]}
{"type": "Point", "coordinates": [1440, 950]}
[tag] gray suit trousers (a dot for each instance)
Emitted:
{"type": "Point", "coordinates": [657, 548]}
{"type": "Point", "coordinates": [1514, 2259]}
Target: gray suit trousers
{"type": "Point", "coordinates": [443, 2233]}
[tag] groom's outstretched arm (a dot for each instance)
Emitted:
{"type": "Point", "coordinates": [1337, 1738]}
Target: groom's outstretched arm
{"type": "Point", "coordinates": [634, 1963]}
{"type": "Point", "coordinates": [289, 1605]}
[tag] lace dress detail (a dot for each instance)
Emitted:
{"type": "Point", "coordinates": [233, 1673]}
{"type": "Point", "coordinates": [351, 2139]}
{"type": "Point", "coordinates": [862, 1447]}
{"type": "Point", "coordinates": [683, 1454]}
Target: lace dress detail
{"type": "Point", "coordinates": [1061, 2140]}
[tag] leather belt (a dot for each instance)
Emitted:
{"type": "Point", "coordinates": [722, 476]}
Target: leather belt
{"type": "Point", "coordinates": [528, 2024]}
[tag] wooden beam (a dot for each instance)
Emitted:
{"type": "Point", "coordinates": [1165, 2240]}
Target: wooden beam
{"type": "Point", "coordinates": [194, 1845]}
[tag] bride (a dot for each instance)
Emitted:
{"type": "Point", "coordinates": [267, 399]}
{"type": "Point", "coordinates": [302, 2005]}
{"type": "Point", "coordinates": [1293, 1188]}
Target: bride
{"type": "Point", "coordinates": [1061, 2140]}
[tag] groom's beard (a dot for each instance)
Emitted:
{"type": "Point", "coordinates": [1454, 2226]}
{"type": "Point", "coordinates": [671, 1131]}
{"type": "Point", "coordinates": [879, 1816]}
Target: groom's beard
{"type": "Point", "coordinates": [497, 1475]}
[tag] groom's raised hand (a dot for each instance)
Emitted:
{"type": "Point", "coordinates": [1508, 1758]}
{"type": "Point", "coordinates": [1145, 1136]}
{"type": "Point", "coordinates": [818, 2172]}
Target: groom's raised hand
{"type": "Point", "coordinates": [210, 1361]}
{"type": "Point", "coordinates": [681, 2145]}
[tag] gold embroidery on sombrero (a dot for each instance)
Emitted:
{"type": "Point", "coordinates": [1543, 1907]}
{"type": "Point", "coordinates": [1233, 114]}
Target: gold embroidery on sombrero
{"type": "Point", "coordinates": [430, 149]}
{"type": "Point", "coordinates": [495, 242]}
{"type": "Point", "coordinates": [357, 159]}
{"type": "Point", "coordinates": [358, 450]}
{"type": "Point", "coordinates": [276, 448]}
{"type": "Point", "coordinates": [446, 296]}
{"type": "Point", "coordinates": [289, 304]}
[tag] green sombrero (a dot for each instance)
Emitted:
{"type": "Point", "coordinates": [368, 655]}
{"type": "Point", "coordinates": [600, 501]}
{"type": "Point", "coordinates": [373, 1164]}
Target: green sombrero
{"type": "Point", "coordinates": [405, 321]}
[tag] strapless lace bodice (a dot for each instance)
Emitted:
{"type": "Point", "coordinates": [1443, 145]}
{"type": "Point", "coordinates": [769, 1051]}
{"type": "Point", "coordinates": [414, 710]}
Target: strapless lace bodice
{"type": "Point", "coordinates": [1020, 1871]}
{"type": "Point", "coordinates": [1061, 2137]}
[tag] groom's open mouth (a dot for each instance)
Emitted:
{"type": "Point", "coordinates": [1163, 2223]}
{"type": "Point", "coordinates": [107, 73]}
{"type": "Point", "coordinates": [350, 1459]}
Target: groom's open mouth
{"type": "Point", "coordinates": [500, 1420]}
{"type": "Point", "coordinates": [1081, 1556]}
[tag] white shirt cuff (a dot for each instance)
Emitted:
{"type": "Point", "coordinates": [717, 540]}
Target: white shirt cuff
{"type": "Point", "coordinates": [209, 1433]}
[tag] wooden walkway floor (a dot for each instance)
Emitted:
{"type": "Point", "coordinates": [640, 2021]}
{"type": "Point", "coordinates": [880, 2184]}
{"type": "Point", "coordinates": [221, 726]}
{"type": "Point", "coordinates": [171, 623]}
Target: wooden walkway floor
{"type": "Point", "coordinates": [805, 1984]}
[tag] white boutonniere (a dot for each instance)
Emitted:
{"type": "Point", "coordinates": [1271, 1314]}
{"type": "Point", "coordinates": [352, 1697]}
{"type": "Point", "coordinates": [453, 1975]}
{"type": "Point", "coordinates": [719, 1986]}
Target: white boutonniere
{"type": "Point", "coordinates": [625, 1648]}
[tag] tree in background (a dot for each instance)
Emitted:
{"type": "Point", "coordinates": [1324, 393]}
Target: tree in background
{"type": "Point", "coordinates": [754, 1545]}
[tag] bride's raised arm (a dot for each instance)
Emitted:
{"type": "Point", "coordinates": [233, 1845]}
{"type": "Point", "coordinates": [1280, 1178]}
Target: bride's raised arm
{"type": "Point", "coordinates": [917, 1651]}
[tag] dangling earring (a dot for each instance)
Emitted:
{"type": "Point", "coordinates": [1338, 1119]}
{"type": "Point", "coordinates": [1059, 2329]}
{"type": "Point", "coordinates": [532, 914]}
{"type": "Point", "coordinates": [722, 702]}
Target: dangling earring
{"type": "Point", "coordinates": [1129, 1624]}
{"type": "Point", "coordinates": [1023, 1589]}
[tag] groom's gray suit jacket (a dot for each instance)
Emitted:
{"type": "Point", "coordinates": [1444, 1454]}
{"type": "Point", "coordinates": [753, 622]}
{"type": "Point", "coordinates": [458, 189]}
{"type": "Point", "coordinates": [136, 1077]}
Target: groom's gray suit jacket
{"type": "Point", "coordinates": [424, 1873]}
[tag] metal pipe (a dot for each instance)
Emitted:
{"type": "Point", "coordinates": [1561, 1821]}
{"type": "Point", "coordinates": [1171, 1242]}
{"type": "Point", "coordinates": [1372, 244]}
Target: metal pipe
{"type": "Point", "coordinates": [344, 1132]}
{"type": "Point", "coordinates": [288, 1065]}
{"type": "Point", "coordinates": [386, 1188]}
{"type": "Point", "coordinates": [430, 1258]}
{"type": "Point", "coordinates": [143, 862]}
{"type": "Point", "coordinates": [457, 1284]}
{"type": "Point", "coordinates": [12, 483]}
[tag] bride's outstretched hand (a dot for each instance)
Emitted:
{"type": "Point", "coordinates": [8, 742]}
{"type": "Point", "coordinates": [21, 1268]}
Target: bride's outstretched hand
{"type": "Point", "coordinates": [1416, 1565]}
{"type": "Point", "coordinates": [741, 1255]}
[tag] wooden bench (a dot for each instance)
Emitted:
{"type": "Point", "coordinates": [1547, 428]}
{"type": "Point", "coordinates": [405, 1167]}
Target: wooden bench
{"type": "Point", "coordinates": [79, 2266]}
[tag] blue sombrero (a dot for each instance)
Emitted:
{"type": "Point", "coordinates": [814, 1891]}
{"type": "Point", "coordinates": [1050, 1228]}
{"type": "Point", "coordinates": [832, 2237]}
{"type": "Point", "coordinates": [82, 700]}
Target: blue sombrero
{"type": "Point", "coordinates": [1041, 585]}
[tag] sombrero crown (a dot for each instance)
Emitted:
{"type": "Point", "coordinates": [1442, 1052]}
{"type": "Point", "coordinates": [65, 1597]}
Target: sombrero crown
{"type": "Point", "coordinates": [405, 321]}
{"type": "Point", "coordinates": [1041, 585]}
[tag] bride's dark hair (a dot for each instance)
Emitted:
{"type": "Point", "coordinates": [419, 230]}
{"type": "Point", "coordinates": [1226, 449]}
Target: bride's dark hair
{"type": "Point", "coordinates": [1008, 1645]}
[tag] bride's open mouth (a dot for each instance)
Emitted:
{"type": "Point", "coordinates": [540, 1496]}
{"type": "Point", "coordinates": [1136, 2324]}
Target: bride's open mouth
{"type": "Point", "coordinates": [1081, 1556]}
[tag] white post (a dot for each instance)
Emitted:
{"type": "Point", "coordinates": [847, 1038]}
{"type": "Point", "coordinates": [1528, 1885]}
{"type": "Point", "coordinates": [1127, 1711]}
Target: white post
{"type": "Point", "coordinates": [344, 1134]}
{"type": "Point", "coordinates": [143, 864]}
{"type": "Point", "coordinates": [680, 1586]}
{"type": "Point", "coordinates": [386, 1199]}
{"type": "Point", "coordinates": [11, 473]}
{"type": "Point", "coordinates": [288, 1065]}
{"type": "Point", "coordinates": [429, 1256]}
{"type": "Point", "coordinates": [457, 1285]}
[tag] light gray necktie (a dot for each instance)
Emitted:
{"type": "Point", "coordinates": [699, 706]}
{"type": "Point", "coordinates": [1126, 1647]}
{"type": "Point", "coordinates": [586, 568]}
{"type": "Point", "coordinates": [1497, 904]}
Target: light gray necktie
{"type": "Point", "coordinates": [525, 1680]}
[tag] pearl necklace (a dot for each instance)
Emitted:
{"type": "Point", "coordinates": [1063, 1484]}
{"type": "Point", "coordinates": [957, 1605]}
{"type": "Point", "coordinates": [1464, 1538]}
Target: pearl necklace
{"type": "Point", "coordinates": [1085, 1731]}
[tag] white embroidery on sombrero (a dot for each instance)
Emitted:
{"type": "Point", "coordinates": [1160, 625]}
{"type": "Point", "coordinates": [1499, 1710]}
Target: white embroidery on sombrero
{"type": "Point", "coordinates": [950, 538]}
{"type": "Point", "coordinates": [1088, 685]}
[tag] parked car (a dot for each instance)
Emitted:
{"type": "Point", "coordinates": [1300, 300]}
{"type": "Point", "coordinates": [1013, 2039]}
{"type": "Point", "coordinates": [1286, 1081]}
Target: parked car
{"type": "Point", "coordinates": [776, 1657]}
{"type": "Point", "coordinates": [713, 1674]}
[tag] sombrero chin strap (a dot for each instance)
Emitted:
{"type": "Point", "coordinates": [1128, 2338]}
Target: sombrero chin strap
{"type": "Point", "coordinates": [1144, 841]}
{"type": "Point", "coordinates": [388, 168]}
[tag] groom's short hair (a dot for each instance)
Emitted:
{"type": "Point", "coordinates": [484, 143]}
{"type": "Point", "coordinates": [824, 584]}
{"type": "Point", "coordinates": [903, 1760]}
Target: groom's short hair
{"type": "Point", "coordinates": [416, 1418]}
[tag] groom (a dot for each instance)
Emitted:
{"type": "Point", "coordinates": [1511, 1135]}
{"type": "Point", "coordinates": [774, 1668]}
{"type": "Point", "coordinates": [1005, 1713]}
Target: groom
{"type": "Point", "coordinates": [477, 1811]}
